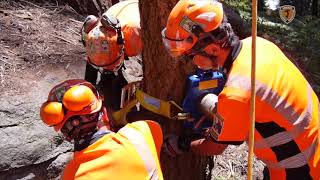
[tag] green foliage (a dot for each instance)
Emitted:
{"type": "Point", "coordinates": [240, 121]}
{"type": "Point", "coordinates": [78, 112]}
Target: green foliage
{"type": "Point", "coordinates": [242, 5]}
{"type": "Point", "coordinates": [300, 39]}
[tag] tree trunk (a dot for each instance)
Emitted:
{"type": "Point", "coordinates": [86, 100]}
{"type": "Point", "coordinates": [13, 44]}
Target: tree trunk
{"type": "Point", "coordinates": [165, 79]}
{"type": "Point", "coordinates": [261, 5]}
{"type": "Point", "coordinates": [302, 6]}
{"type": "Point", "coordinates": [94, 7]}
{"type": "Point", "coordinates": [314, 8]}
{"type": "Point", "coordinates": [114, 1]}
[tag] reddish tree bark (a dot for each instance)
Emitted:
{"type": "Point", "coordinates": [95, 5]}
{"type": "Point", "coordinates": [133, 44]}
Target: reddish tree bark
{"type": "Point", "coordinates": [165, 79]}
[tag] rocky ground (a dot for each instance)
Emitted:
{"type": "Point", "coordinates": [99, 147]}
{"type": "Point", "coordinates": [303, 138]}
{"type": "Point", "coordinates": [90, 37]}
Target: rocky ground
{"type": "Point", "coordinates": [40, 47]}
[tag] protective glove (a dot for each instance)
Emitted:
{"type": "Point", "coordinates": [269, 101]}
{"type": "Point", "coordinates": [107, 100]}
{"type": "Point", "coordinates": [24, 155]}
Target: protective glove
{"type": "Point", "coordinates": [208, 104]}
{"type": "Point", "coordinates": [174, 145]}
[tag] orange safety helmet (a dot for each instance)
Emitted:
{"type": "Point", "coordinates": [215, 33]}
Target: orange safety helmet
{"type": "Point", "coordinates": [67, 99]}
{"type": "Point", "coordinates": [188, 20]}
{"type": "Point", "coordinates": [132, 39]}
{"type": "Point", "coordinates": [104, 44]}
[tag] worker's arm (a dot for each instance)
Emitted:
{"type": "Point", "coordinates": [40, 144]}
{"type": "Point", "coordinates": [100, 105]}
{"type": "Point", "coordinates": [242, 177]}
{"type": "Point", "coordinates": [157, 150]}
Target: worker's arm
{"type": "Point", "coordinates": [230, 124]}
{"type": "Point", "coordinates": [151, 131]}
{"type": "Point", "coordinates": [157, 135]}
{"type": "Point", "coordinates": [230, 118]}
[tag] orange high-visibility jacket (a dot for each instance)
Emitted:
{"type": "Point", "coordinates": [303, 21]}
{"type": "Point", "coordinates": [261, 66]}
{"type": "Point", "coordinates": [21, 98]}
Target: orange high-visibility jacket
{"type": "Point", "coordinates": [287, 112]}
{"type": "Point", "coordinates": [127, 12]}
{"type": "Point", "coordinates": [131, 153]}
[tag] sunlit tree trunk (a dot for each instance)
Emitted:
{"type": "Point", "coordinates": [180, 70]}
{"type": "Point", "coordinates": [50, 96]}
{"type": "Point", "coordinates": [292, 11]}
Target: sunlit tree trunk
{"type": "Point", "coordinates": [165, 79]}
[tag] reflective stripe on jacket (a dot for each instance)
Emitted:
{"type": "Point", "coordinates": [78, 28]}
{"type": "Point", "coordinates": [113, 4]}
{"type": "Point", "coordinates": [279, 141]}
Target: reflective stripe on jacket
{"type": "Point", "coordinates": [287, 112]}
{"type": "Point", "coordinates": [132, 153]}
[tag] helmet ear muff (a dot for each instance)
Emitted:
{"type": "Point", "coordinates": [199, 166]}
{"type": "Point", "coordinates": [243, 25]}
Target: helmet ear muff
{"type": "Point", "coordinates": [89, 23]}
{"type": "Point", "coordinates": [108, 21]}
{"type": "Point", "coordinates": [52, 113]}
{"type": "Point", "coordinates": [222, 34]}
{"type": "Point", "coordinates": [197, 30]}
{"type": "Point", "coordinates": [191, 27]}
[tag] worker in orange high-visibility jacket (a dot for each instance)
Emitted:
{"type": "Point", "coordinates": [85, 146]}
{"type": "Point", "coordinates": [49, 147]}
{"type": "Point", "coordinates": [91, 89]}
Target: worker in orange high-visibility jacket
{"type": "Point", "coordinates": [75, 108]}
{"type": "Point", "coordinates": [113, 48]}
{"type": "Point", "coordinates": [287, 109]}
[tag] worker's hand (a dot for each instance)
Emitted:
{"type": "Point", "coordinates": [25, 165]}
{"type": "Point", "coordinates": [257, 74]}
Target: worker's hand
{"type": "Point", "coordinates": [208, 104]}
{"type": "Point", "coordinates": [171, 145]}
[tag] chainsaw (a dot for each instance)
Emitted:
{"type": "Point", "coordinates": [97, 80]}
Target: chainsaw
{"type": "Point", "coordinates": [198, 85]}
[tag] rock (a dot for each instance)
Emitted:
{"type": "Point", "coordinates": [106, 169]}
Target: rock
{"type": "Point", "coordinates": [25, 141]}
{"type": "Point", "coordinates": [57, 166]}
{"type": "Point", "coordinates": [28, 177]}
{"type": "Point", "coordinates": [27, 146]}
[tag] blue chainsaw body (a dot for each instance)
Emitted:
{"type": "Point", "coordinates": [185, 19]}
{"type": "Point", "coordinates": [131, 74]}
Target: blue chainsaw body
{"type": "Point", "coordinates": [198, 84]}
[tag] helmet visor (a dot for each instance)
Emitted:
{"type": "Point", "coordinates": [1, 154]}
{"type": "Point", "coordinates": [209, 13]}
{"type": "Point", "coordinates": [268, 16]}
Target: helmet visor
{"type": "Point", "coordinates": [176, 48]}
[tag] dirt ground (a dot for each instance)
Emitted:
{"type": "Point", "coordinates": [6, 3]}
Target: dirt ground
{"type": "Point", "coordinates": [40, 46]}
{"type": "Point", "coordinates": [36, 41]}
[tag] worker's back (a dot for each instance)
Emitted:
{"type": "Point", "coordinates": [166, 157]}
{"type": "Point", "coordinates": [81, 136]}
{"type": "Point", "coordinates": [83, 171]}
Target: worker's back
{"type": "Point", "coordinates": [127, 12]}
{"type": "Point", "coordinates": [132, 153]}
{"type": "Point", "coordinates": [287, 112]}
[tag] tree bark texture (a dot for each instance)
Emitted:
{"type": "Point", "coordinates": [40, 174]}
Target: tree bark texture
{"type": "Point", "coordinates": [302, 6]}
{"type": "Point", "coordinates": [165, 78]}
{"type": "Point", "coordinates": [315, 8]}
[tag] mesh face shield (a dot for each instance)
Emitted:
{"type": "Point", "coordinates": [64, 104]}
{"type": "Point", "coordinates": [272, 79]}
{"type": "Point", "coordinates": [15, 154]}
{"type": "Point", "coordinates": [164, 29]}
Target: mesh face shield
{"type": "Point", "coordinates": [174, 47]}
